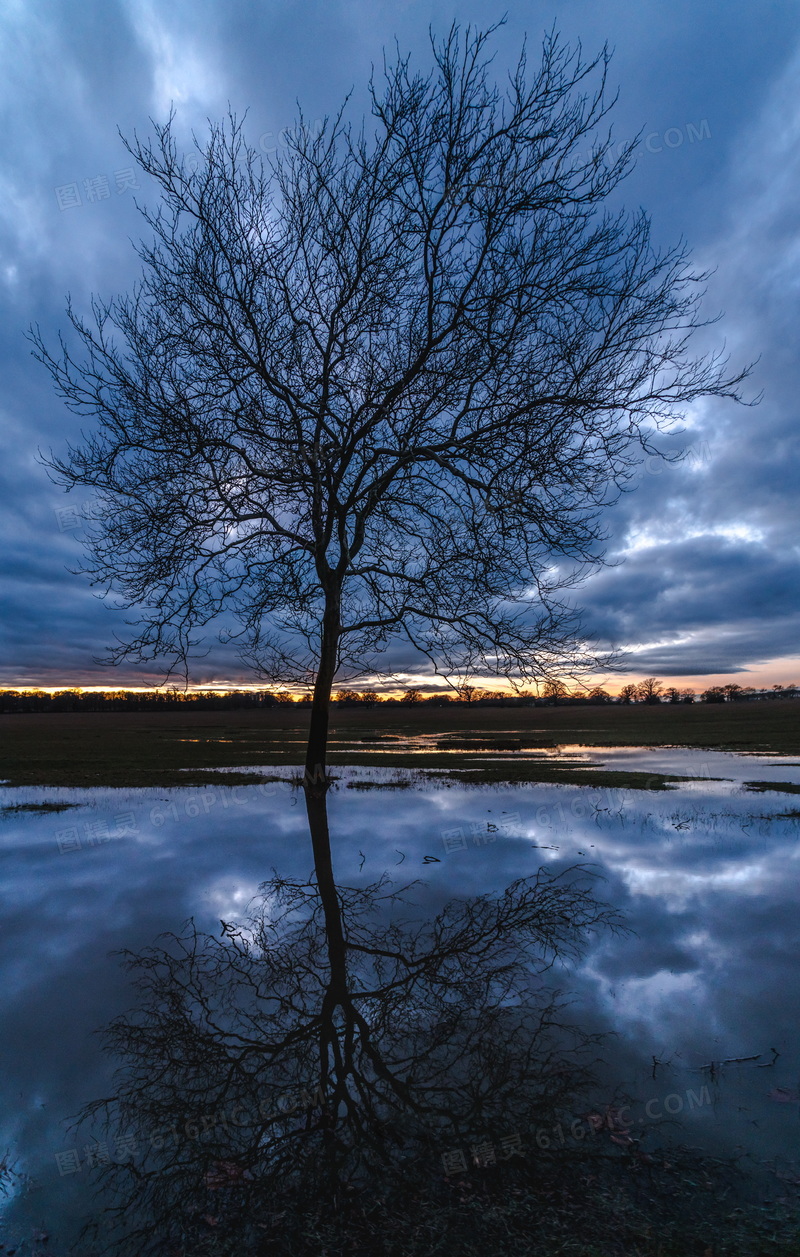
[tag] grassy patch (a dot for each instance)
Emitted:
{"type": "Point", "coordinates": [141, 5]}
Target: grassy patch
{"type": "Point", "coordinates": [36, 807]}
{"type": "Point", "coordinates": [480, 744]}
{"type": "Point", "coordinates": [169, 778]}
{"type": "Point", "coordinates": [668, 1202]}
{"type": "Point", "coordinates": [397, 784]}
{"type": "Point", "coordinates": [776, 787]}
{"type": "Point", "coordinates": [535, 773]}
{"type": "Point", "coordinates": [153, 748]}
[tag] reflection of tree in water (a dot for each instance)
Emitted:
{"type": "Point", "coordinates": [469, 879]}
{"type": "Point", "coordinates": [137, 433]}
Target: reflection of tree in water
{"type": "Point", "coordinates": [292, 1084]}
{"type": "Point", "coordinates": [329, 1046]}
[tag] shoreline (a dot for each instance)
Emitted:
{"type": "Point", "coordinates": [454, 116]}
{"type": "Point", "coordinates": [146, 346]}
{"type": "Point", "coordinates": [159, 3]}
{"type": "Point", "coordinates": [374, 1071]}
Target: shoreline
{"type": "Point", "coordinates": [169, 748]}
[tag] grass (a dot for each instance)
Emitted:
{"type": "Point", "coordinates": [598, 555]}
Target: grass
{"type": "Point", "coordinates": [775, 787]}
{"type": "Point", "coordinates": [174, 748]}
{"type": "Point", "coordinates": [36, 808]}
{"type": "Point", "coordinates": [679, 1204]}
{"type": "Point", "coordinates": [521, 774]}
{"type": "Point", "coordinates": [402, 784]}
{"type": "Point", "coordinates": [672, 1202]}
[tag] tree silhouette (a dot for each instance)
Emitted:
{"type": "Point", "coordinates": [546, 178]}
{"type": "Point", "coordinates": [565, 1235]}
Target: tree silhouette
{"type": "Point", "coordinates": [411, 696]}
{"type": "Point", "coordinates": [554, 690]}
{"type": "Point", "coordinates": [330, 1043]}
{"type": "Point", "coordinates": [383, 386]}
{"type": "Point", "coordinates": [649, 690]}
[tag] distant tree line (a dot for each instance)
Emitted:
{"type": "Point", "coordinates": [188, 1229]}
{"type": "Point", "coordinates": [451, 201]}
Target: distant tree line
{"type": "Point", "coordinates": [556, 693]}
{"type": "Point", "coordinates": [133, 700]}
{"type": "Point", "coordinates": [650, 691]}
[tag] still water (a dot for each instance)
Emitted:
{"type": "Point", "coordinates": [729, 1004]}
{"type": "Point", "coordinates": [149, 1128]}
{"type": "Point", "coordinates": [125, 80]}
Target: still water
{"type": "Point", "coordinates": [702, 999]}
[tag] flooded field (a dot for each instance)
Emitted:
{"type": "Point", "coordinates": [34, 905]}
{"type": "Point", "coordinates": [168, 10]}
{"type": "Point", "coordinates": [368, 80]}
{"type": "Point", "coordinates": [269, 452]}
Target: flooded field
{"type": "Point", "coordinates": [700, 995]}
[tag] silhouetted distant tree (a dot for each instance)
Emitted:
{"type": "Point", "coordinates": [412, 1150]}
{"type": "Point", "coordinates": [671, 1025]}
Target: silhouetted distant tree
{"type": "Point", "coordinates": [347, 698]}
{"type": "Point", "coordinates": [649, 690]}
{"type": "Point", "coordinates": [628, 693]}
{"type": "Point", "coordinates": [599, 695]}
{"type": "Point", "coordinates": [714, 694]}
{"type": "Point", "coordinates": [468, 693]}
{"type": "Point", "coordinates": [554, 691]}
{"type": "Point", "coordinates": [732, 691]}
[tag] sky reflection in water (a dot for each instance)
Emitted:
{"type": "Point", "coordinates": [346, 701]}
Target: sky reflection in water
{"type": "Point", "coordinates": [706, 875]}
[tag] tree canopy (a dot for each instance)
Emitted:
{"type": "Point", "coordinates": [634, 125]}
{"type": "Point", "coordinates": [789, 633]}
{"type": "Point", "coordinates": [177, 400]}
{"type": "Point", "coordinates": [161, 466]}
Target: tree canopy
{"type": "Point", "coordinates": [382, 387]}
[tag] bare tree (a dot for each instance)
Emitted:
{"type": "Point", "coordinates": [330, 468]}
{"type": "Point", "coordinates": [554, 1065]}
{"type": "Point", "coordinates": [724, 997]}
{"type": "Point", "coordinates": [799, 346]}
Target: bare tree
{"type": "Point", "coordinates": [369, 698]}
{"type": "Point", "coordinates": [411, 696]}
{"type": "Point", "coordinates": [714, 694]}
{"type": "Point", "coordinates": [467, 693]}
{"type": "Point", "coordinates": [384, 386]}
{"type": "Point", "coordinates": [553, 690]}
{"type": "Point", "coordinates": [649, 690]}
{"type": "Point", "coordinates": [628, 693]}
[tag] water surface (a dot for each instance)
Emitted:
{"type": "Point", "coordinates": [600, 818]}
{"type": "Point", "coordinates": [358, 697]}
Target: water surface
{"type": "Point", "coordinates": [706, 874]}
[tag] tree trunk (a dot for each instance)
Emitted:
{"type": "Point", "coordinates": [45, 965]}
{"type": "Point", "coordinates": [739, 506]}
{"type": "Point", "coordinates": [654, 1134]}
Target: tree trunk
{"type": "Point", "coordinates": [316, 776]}
{"type": "Point", "coordinates": [317, 809]}
{"type": "Point", "coordinates": [336, 993]}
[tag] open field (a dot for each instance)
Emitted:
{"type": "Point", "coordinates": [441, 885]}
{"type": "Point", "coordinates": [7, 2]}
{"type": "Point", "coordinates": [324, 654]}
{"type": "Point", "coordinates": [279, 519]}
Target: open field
{"type": "Point", "coordinates": [179, 748]}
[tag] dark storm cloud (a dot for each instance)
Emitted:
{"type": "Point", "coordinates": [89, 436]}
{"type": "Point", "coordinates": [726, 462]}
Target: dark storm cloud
{"type": "Point", "coordinates": [709, 574]}
{"type": "Point", "coordinates": [709, 602]}
{"type": "Point", "coordinates": [709, 578]}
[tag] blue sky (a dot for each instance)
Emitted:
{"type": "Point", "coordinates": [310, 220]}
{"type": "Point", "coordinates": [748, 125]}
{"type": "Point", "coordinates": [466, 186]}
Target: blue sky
{"type": "Point", "coordinates": [706, 582]}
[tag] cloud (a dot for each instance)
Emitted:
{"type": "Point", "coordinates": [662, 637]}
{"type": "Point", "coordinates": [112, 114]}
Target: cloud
{"type": "Point", "coordinates": [707, 548]}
